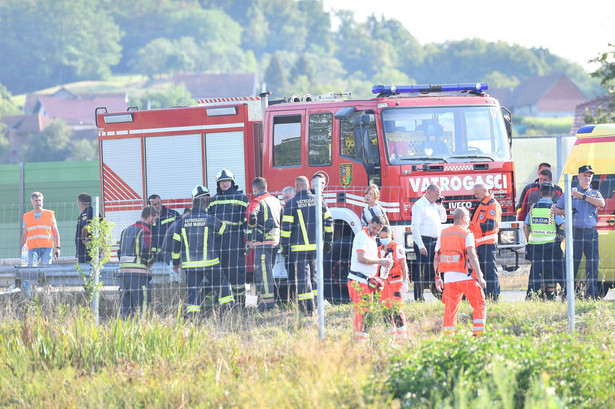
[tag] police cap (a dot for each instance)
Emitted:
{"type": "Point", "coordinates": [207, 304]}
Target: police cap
{"type": "Point", "coordinates": [547, 187]}
{"type": "Point", "coordinates": [585, 169]}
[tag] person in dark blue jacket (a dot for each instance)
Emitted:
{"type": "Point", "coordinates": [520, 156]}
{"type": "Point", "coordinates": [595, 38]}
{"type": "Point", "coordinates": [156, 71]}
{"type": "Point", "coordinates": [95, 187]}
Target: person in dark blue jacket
{"type": "Point", "coordinates": [84, 203]}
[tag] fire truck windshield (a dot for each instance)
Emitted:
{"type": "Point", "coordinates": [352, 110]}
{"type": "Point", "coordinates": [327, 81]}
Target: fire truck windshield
{"type": "Point", "coordinates": [445, 134]}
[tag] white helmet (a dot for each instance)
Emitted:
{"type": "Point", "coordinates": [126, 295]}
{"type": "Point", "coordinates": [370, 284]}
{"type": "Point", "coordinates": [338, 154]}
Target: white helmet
{"type": "Point", "coordinates": [225, 174]}
{"type": "Point", "coordinates": [200, 191]}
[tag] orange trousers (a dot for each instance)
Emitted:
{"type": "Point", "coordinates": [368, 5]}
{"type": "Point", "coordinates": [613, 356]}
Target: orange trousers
{"type": "Point", "coordinates": [451, 297]}
{"type": "Point", "coordinates": [392, 299]}
{"type": "Point", "coordinates": [360, 306]}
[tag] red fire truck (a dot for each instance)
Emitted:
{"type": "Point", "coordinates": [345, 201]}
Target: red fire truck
{"type": "Point", "coordinates": [403, 139]}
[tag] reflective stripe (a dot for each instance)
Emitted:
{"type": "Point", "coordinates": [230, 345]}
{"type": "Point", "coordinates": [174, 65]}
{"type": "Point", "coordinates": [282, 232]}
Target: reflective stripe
{"type": "Point", "coordinates": [205, 235]}
{"type": "Point", "coordinates": [175, 256]}
{"type": "Point", "coordinates": [306, 240]}
{"type": "Point", "coordinates": [169, 220]}
{"type": "Point", "coordinates": [303, 247]}
{"type": "Point", "coordinates": [40, 226]}
{"type": "Point", "coordinates": [328, 229]}
{"type": "Point", "coordinates": [327, 215]}
{"type": "Point", "coordinates": [193, 308]}
{"type": "Point", "coordinates": [225, 300]}
{"type": "Point", "coordinates": [315, 293]}
{"type": "Point", "coordinates": [203, 263]}
{"type": "Point", "coordinates": [284, 234]}
{"type": "Point", "coordinates": [288, 218]}
{"type": "Point", "coordinates": [38, 236]}
{"type": "Point", "coordinates": [266, 294]}
{"type": "Point", "coordinates": [222, 229]}
{"type": "Point", "coordinates": [229, 201]}
{"type": "Point", "coordinates": [479, 329]}
{"type": "Point", "coordinates": [305, 296]}
{"type": "Point", "coordinates": [449, 328]}
{"type": "Point", "coordinates": [230, 223]}
{"type": "Point", "coordinates": [479, 321]}
{"type": "Point", "coordinates": [186, 244]}
{"type": "Point", "coordinates": [177, 237]}
{"type": "Point", "coordinates": [485, 238]}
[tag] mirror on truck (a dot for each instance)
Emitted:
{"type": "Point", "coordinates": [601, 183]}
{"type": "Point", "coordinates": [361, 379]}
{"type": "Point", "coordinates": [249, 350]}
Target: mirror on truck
{"type": "Point", "coordinates": [508, 123]}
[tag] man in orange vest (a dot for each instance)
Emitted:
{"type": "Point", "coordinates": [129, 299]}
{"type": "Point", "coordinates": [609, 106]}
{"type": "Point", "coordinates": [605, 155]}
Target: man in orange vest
{"type": "Point", "coordinates": [454, 251]}
{"type": "Point", "coordinates": [40, 231]}
{"type": "Point", "coordinates": [485, 225]}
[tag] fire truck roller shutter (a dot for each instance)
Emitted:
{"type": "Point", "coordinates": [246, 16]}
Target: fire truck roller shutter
{"type": "Point", "coordinates": [225, 150]}
{"type": "Point", "coordinates": [173, 166]}
{"type": "Point", "coordinates": [122, 180]}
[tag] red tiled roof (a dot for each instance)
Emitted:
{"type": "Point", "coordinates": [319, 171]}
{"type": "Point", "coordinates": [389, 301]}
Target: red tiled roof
{"type": "Point", "coordinates": [29, 123]}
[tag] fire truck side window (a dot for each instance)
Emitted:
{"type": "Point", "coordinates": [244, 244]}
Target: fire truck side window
{"type": "Point", "coordinates": [287, 141]}
{"type": "Point", "coordinates": [319, 142]}
{"type": "Point", "coordinates": [347, 142]}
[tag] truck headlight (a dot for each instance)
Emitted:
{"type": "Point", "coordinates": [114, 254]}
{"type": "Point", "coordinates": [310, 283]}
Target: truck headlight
{"type": "Point", "coordinates": [408, 240]}
{"type": "Point", "coordinates": [508, 237]}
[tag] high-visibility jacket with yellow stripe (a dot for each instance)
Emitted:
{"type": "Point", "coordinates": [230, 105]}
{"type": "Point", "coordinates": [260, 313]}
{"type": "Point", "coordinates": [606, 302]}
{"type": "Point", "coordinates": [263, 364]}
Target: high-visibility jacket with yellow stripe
{"type": "Point", "coordinates": [197, 240]}
{"type": "Point", "coordinates": [134, 251]}
{"type": "Point", "coordinates": [299, 224]}
{"type": "Point", "coordinates": [160, 226]}
{"type": "Point", "coordinates": [39, 233]}
{"type": "Point", "coordinates": [486, 220]}
{"type": "Point", "coordinates": [265, 219]}
{"type": "Point", "coordinates": [230, 207]}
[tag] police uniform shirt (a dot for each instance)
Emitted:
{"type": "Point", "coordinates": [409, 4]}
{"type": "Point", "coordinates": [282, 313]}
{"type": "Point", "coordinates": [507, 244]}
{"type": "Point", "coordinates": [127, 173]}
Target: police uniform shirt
{"type": "Point", "coordinates": [586, 215]}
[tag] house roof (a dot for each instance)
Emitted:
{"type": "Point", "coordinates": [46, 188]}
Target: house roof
{"type": "Point", "coordinates": [219, 85]}
{"type": "Point", "coordinates": [28, 123]}
{"type": "Point", "coordinates": [75, 109]}
{"type": "Point", "coordinates": [531, 90]}
{"type": "Point", "coordinates": [591, 105]}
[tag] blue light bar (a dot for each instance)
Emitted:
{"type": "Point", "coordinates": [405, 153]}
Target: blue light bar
{"type": "Point", "coordinates": [423, 88]}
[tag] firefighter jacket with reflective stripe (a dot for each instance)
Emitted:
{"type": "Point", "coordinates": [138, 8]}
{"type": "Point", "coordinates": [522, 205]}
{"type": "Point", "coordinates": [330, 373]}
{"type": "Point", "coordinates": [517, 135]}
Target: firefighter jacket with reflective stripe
{"type": "Point", "coordinates": [229, 206]}
{"type": "Point", "coordinates": [299, 224]}
{"type": "Point", "coordinates": [134, 252]}
{"type": "Point", "coordinates": [453, 252]}
{"type": "Point", "coordinates": [264, 220]}
{"type": "Point", "coordinates": [543, 228]}
{"type": "Point", "coordinates": [197, 240]}
{"type": "Point", "coordinates": [39, 233]}
{"type": "Point", "coordinates": [486, 219]}
{"type": "Point", "coordinates": [160, 227]}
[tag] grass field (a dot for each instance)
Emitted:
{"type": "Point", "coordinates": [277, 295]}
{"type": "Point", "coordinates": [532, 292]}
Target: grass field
{"type": "Point", "coordinates": [54, 356]}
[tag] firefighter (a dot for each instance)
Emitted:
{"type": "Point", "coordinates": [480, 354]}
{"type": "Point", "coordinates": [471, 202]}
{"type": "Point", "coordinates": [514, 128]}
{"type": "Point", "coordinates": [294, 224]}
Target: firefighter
{"type": "Point", "coordinates": [454, 251]}
{"type": "Point", "coordinates": [264, 219]}
{"type": "Point", "coordinates": [485, 225]}
{"type": "Point", "coordinates": [84, 203]}
{"type": "Point", "coordinates": [165, 218]}
{"type": "Point", "coordinates": [298, 240]}
{"type": "Point", "coordinates": [229, 206]}
{"type": "Point", "coordinates": [395, 280]}
{"type": "Point", "coordinates": [196, 244]}
{"type": "Point", "coordinates": [544, 250]}
{"type": "Point", "coordinates": [136, 259]}
{"type": "Point", "coordinates": [363, 278]}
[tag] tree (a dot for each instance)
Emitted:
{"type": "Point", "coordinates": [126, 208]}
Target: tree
{"type": "Point", "coordinates": [52, 144]}
{"type": "Point", "coordinates": [172, 95]}
{"type": "Point", "coordinates": [276, 76]}
{"type": "Point", "coordinates": [54, 42]}
{"type": "Point", "coordinates": [606, 74]}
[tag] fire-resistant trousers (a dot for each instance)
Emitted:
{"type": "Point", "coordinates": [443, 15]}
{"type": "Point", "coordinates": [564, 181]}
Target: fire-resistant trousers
{"type": "Point", "coordinates": [304, 269]}
{"type": "Point", "coordinates": [487, 261]}
{"type": "Point", "coordinates": [207, 283]}
{"type": "Point", "coordinates": [264, 259]}
{"type": "Point", "coordinates": [451, 297]}
{"type": "Point", "coordinates": [133, 287]}
{"type": "Point", "coordinates": [233, 263]}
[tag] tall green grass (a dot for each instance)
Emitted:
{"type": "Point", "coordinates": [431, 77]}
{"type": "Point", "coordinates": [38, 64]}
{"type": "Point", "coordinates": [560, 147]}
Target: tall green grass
{"type": "Point", "coordinates": [62, 359]}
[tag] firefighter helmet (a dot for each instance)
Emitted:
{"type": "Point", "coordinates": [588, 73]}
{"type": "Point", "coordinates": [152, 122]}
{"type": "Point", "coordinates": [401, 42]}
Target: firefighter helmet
{"type": "Point", "coordinates": [225, 174]}
{"type": "Point", "coordinates": [200, 191]}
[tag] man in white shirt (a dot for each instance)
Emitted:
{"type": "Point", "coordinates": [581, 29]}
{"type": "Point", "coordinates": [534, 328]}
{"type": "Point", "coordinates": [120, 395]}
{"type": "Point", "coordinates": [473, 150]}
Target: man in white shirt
{"type": "Point", "coordinates": [364, 264]}
{"type": "Point", "coordinates": [428, 214]}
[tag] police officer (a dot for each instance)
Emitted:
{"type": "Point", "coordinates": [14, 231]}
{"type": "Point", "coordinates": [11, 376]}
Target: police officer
{"type": "Point", "coordinates": [136, 260]}
{"type": "Point", "coordinates": [585, 204]}
{"type": "Point", "coordinates": [298, 240]}
{"type": "Point", "coordinates": [485, 225]}
{"type": "Point", "coordinates": [264, 219]}
{"type": "Point", "coordinates": [544, 251]}
{"type": "Point", "coordinates": [166, 217]}
{"type": "Point", "coordinates": [229, 206]}
{"type": "Point", "coordinates": [196, 244]}
{"type": "Point", "coordinates": [84, 203]}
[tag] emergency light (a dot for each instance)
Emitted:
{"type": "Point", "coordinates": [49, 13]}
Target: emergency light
{"type": "Point", "coordinates": [422, 88]}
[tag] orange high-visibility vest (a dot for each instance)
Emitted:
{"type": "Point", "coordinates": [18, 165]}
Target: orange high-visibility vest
{"type": "Point", "coordinates": [488, 209]}
{"type": "Point", "coordinates": [39, 233]}
{"type": "Point", "coordinates": [453, 255]}
{"type": "Point", "coordinates": [395, 271]}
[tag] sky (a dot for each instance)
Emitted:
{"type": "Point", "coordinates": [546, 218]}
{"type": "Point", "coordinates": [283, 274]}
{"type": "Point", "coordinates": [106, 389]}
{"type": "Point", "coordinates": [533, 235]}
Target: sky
{"type": "Point", "coordinates": [577, 30]}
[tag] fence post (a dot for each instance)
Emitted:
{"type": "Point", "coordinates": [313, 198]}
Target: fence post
{"type": "Point", "coordinates": [320, 296]}
{"type": "Point", "coordinates": [96, 270]}
{"type": "Point", "coordinates": [569, 257]}
{"type": "Point", "coordinates": [22, 191]}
